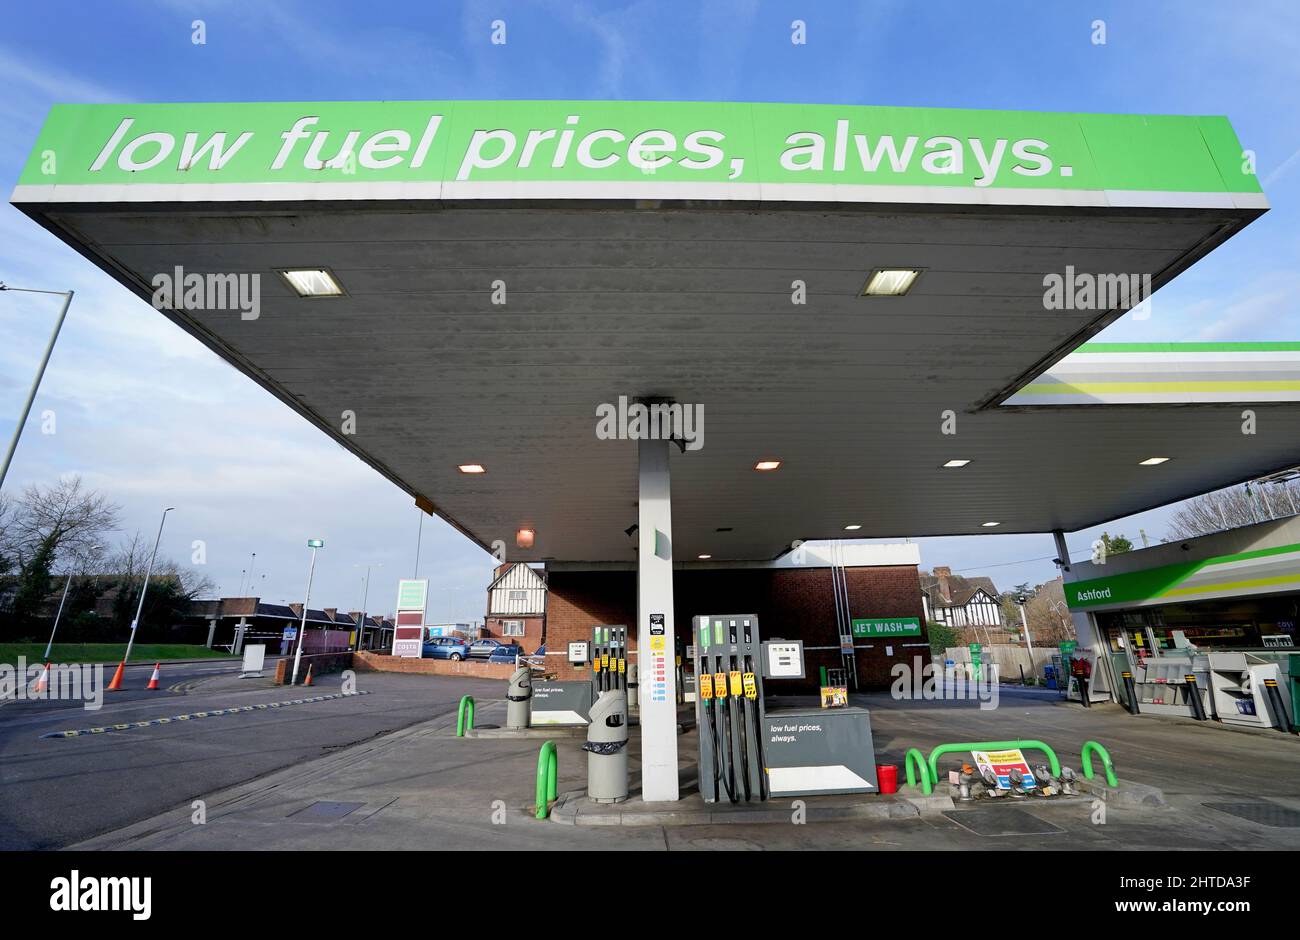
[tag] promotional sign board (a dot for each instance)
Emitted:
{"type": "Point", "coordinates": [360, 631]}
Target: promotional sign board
{"type": "Point", "coordinates": [408, 630]}
{"type": "Point", "coordinates": [254, 660]}
{"type": "Point", "coordinates": [469, 149]}
{"type": "Point", "coordinates": [808, 752]}
{"type": "Point", "coordinates": [561, 703]}
{"type": "Point", "coordinates": [1001, 763]}
{"type": "Point", "coordinates": [887, 626]}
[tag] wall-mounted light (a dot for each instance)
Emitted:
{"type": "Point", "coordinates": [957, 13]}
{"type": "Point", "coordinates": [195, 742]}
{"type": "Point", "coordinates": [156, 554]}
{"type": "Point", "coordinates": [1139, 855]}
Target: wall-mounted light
{"type": "Point", "coordinates": [524, 538]}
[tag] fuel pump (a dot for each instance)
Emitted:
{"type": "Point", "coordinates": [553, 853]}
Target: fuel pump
{"type": "Point", "coordinates": [607, 733]}
{"type": "Point", "coordinates": [519, 697]}
{"type": "Point", "coordinates": [729, 708]}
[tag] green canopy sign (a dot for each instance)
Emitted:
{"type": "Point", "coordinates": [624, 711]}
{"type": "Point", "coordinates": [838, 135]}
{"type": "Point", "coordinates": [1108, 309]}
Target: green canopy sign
{"type": "Point", "coordinates": [1263, 570]}
{"type": "Point", "coordinates": [598, 149]}
{"type": "Point", "coordinates": [887, 627]}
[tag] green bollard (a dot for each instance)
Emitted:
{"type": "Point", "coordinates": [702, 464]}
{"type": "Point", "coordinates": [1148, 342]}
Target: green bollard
{"type": "Point", "coordinates": [465, 716]}
{"type": "Point", "coordinates": [546, 772]}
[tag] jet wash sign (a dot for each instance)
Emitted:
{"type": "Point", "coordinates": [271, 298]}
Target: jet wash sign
{"type": "Point", "coordinates": [592, 149]}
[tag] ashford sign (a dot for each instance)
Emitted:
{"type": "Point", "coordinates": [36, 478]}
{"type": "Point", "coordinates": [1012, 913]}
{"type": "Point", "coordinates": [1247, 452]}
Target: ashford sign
{"type": "Point", "coordinates": [560, 149]}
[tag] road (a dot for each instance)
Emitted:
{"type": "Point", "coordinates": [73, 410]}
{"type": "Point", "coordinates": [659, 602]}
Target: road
{"type": "Point", "coordinates": [58, 791]}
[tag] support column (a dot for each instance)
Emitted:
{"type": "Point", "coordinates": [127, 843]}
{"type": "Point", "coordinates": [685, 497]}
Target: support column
{"type": "Point", "coordinates": [655, 642]}
{"type": "Point", "coordinates": [1085, 628]}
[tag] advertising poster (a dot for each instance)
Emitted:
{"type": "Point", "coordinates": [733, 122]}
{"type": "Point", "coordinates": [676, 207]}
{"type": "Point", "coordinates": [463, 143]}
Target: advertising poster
{"type": "Point", "coordinates": [1002, 763]}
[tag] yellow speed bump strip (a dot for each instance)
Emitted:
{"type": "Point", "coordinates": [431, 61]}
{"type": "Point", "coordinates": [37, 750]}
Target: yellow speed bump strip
{"type": "Point", "coordinates": [193, 716]}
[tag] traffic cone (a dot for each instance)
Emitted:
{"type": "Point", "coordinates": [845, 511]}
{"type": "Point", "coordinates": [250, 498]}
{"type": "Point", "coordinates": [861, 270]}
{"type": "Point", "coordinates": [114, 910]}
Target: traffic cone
{"type": "Point", "coordinates": [153, 680]}
{"type": "Point", "coordinates": [43, 682]}
{"type": "Point", "coordinates": [116, 684]}
{"type": "Point", "coordinates": [307, 681]}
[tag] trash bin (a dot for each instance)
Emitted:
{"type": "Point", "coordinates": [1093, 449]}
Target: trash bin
{"type": "Point", "coordinates": [887, 776]}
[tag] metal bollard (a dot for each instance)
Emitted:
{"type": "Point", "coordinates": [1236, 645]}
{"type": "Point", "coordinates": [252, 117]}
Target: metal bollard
{"type": "Point", "coordinates": [1279, 707]}
{"type": "Point", "coordinates": [1131, 688]}
{"type": "Point", "coordinates": [1194, 697]}
{"type": "Point", "coordinates": [519, 698]}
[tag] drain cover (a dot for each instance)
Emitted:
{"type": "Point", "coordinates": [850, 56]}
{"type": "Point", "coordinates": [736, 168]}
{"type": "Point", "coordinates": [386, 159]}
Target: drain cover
{"type": "Point", "coordinates": [325, 811]}
{"type": "Point", "coordinates": [1009, 821]}
{"type": "Point", "coordinates": [1266, 814]}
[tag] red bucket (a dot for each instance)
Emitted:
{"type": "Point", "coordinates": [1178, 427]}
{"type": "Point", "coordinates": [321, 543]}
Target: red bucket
{"type": "Point", "coordinates": [887, 775]}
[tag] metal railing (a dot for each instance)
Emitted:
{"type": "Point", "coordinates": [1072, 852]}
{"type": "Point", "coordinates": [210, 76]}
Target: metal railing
{"type": "Point", "coordinates": [914, 756]}
{"type": "Point", "coordinates": [992, 746]}
{"type": "Point", "coordinates": [1085, 758]}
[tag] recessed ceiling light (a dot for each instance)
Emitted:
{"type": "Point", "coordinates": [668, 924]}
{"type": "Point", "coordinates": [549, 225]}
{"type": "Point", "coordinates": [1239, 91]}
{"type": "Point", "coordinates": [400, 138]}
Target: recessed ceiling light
{"type": "Point", "coordinates": [767, 465]}
{"type": "Point", "coordinates": [852, 528]}
{"type": "Point", "coordinates": [705, 557]}
{"type": "Point", "coordinates": [313, 282]}
{"type": "Point", "coordinates": [1152, 461]}
{"type": "Point", "coordinates": [989, 525]}
{"type": "Point", "coordinates": [471, 468]}
{"type": "Point", "coordinates": [890, 282]}
{"type": "Point", "coordinates": [956, 463]}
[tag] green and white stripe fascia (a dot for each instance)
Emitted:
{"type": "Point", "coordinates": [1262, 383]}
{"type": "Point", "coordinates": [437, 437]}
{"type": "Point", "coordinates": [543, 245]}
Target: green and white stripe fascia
{"type": "Point", "coordinates": [1245, 574]}
{"type": "Point", "coordinates": [1168, 374]}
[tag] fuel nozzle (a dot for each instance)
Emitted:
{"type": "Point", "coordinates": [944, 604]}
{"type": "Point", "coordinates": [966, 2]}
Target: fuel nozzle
{"type": "Point", "coordinates": [1068, 782]}
{"type": "Point", "coordinates": [965, 779]}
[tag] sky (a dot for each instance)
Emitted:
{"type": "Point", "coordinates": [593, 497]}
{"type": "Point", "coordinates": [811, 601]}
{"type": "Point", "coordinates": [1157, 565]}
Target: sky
{"type": "Point", "coordinates": [148, 416]}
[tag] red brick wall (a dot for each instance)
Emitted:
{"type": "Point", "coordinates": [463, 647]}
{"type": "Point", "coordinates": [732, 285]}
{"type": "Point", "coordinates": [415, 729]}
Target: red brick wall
{"type": "Point", "coordinates": [374, 662]}
{"type": "Point", "coordinates": [793, 603]}
{"type": "Point", "coordinates": [534, 630]}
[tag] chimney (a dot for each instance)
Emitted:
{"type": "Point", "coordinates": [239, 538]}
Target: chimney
{"type": "Point", "coordinates": [332, 613]}
{"type": "Point", "coordinates": [297, 609]}
{"type": "Point", "coordinates": [943, 574]}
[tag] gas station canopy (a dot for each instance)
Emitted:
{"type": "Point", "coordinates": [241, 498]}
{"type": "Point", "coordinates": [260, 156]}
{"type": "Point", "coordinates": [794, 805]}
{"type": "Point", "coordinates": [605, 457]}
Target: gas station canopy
{"type": "Point", "coordinates": [507, 267]}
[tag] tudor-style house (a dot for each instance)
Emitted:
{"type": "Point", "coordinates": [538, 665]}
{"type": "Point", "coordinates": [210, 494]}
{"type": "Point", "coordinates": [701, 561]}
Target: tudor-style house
{"type": "Point", "coordinates": [960, 602]}
{"type": "Point", "coordinates": [516, 609]}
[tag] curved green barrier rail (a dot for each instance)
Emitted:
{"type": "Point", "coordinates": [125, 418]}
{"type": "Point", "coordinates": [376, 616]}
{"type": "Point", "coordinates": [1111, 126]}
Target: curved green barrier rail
{"type": "Point", "coordinates": [915, 756]}
{"type": "Point", "coordinates": [546, 768]}
{"type": "Point", "coordinates": [464, 712]}
{"type": "Point", "coordinates": [1085, 758]}
{"type": "Point", "coordinates": [992, 746]}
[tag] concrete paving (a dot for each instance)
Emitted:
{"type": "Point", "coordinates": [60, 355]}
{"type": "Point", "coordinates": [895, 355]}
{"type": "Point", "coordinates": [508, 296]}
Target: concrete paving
{"type": "Point", "coordinates": [421, 788]}
{"type": "Point", "coordinates": [54, 792]}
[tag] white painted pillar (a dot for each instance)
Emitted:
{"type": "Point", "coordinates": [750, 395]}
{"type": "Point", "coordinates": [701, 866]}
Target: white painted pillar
{"type": "Point", "coordinates": [656, 646]}
{"type": "Point", "coordinates": [1085, 628]}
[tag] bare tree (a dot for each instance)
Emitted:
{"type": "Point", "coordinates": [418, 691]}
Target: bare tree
{"type": "Point", "coordinates": [1233, 507]}
{"type": "Point", "coordinates": [64, 514]}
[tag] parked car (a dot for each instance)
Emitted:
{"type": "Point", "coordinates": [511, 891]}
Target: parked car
{"type": "Point", "coordinates": [506, 653]}
{"type": "Point", "coordinates": [446, 647]}
{"type": "Point", "coordinates": [482, 649]}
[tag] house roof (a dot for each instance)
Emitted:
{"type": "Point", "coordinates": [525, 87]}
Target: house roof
{"type": "Point", "coordinates": [960, 589]}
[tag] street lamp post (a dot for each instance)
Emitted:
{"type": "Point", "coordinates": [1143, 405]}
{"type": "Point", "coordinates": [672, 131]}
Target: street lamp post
{"type": "Point", "coordinates": [1024, 622]}
{"type": "Point", "coordinates": [67, 583]}
{"type": "Point", "coordinates": [40, 372]}
{"type": "Point", "coordinates": [139, 610]}
{"type": "Point", "coordinates": [365, 597]}
{"type": "Point", "coordinates": [313, 544]}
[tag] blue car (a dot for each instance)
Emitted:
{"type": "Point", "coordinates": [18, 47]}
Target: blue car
{"type": "Point", "coordinates": [506, 653]}
{"type": "Point", "coordinates": [446, 647]}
